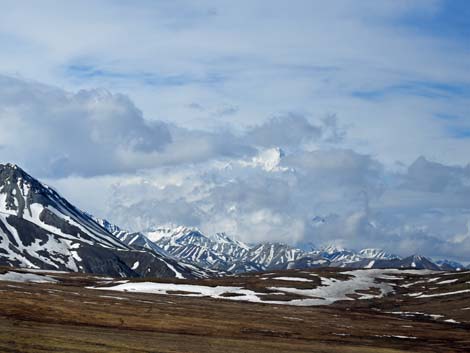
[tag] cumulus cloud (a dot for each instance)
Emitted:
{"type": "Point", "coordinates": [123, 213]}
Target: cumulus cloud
{"type": "Point", "coordinates": [283, 131]}
{"type": "Point", "coordinates": [56, 133]}
{"type": "Point", "coordinates": [271, 196]}
{"type": "Point", "coordinates": [430, 176]}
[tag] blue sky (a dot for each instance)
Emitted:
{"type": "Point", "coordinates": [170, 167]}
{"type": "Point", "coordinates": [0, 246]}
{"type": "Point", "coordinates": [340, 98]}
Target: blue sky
{"type": "Point", "coordinates": [125, 92]}
{"type": "Point", "coordinates": [450, 21]}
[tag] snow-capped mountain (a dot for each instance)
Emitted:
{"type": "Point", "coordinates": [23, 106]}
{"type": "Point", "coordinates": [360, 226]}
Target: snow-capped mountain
{"type": "Point", "coordinates": [418, 262]}
{"type": "Point", "coordinates": [222, 253]}
{"type": "Point", "coordinates": [136, 240]}
{"type": "Point", "coordinates": [41, 229]}
{"type": "Point", "coordinates": [112, 228]}
{"type": "Point", "coordinates": [166, 233]}
{"type": "Point", "coordinates": [339, 255]}
{"type": "Point", "coordinates": [377, 254]}
{"type": "Point", "coordinates": [139, 241]}
{"type": "Point", "coordinates": [222, 243]}
{"type": "Point", "coordinates": [448, 265]}
{"type": "Point", "coordinates": [273, 255]}
{"type": "Point", "coordinates": [414, 262]}
{"type": "Point", "coordinates": [217, 252]}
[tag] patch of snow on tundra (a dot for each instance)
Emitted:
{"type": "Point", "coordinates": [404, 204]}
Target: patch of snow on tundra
{"type": "Point", "coordinates": [295, 279]}
{"type": "Point", "coordinates": [330, 291]}
{"type": "Point", "coordinates": [192, 290]}
{"type": "Point", "coordinates": [443, 294]}
{"type": "Point", "coordinates": [26, 277]}
{"type": "Point", "coordinates": [333, 290]}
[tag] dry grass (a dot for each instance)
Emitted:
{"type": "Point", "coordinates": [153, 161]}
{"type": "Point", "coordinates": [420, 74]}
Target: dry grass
{"type": "Point", "coordinates": [68, 318]}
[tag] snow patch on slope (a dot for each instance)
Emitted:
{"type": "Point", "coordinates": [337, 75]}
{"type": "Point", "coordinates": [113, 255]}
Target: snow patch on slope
{"type": "Point", "coordinates": [26, 277]}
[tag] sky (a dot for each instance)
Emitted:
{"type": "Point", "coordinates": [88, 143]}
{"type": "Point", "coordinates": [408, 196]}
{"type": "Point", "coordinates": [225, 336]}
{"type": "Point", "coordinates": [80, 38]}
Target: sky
{"type": "Point", "coordinates": [326, 122]}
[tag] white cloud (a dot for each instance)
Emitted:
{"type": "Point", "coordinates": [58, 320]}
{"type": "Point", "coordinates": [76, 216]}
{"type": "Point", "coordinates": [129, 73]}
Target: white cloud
{"type": "Point", "coordinates": [363, 204]}
{"type": "Point", "coordinates": [263, 58]}
{"type": "Point", "coordinates": [52, 132]}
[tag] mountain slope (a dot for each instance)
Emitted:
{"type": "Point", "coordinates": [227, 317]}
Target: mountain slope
{"type": "Point", "coordinates": [273, 255]}
{"type": "Point", "coordinates": [41, 229]}
{"type": "Point", "coordinates": [377, 254]}
{"type": "Point", "coordinates": [190, 245]}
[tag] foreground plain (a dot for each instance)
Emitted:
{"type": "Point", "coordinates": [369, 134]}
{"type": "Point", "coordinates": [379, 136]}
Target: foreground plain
{"type": "Point", "coordinates": [66, 316]}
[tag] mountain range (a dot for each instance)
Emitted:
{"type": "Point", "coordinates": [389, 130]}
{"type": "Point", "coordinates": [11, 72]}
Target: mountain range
{"type": "Point", "coordinates": [222, 254]}
{"type": "Point", "coordinates": [41, 229]}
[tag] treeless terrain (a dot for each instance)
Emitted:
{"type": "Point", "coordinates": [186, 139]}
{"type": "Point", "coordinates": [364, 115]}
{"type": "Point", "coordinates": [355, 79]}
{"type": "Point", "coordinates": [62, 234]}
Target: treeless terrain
{"type": "Point", "coordinates": [67, 317]}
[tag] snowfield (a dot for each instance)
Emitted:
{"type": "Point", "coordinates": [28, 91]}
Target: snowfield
{"type": "Point", "coordinates": [190, 289]}
{"type": "Point", "coordinates": [331, 290]}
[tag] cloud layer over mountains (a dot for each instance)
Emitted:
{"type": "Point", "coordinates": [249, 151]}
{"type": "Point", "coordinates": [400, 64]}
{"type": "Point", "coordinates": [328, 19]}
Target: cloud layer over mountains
{"type": "Point", "coordinates": [272, 181]}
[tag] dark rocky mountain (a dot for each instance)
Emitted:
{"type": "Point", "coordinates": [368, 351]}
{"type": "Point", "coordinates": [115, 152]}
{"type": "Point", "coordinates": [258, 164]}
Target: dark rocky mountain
{"type": "Point", "coordinates": [447, 265]}
{"type": "Point", "coordinates": [140, 241]}
{"type": "Point", "coordinates": [418, 262]}
{"type": "Point", "coordinates": [41, 229]}
{"type": "Point", "coordinates": [135, 240]}
{"type": "Point", "coordinates": [411, 262]}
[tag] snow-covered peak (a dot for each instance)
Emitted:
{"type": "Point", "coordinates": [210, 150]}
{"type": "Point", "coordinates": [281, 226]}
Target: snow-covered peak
{"type": "Point", "coordinates": [223, 238]}
{"type": "Point", "coordinates": [110, 227]}
{"type": "Point", "coordinates": [273, 254]}
{"type": "Point", "coordinates": [268, 160]}
{"type": "Point", "coordinates": [169, 232]}
{"type": "Point", "coordinates": [376, 254]}
{"type": "Point", "coordinates": [28, 199]}
{"type": "Point", "coordinates": [332, 249]}
{"type": "Point", "coordinates": [10, 165]}
{"type": "Point", "coordinates": [167, 237]}
{"type": "Point", "coordinates": [19, 190]}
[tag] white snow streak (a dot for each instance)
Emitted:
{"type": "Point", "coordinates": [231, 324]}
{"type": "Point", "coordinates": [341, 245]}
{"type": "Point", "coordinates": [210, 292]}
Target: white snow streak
{"type": "Point", "coordinates": [26, 277]}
